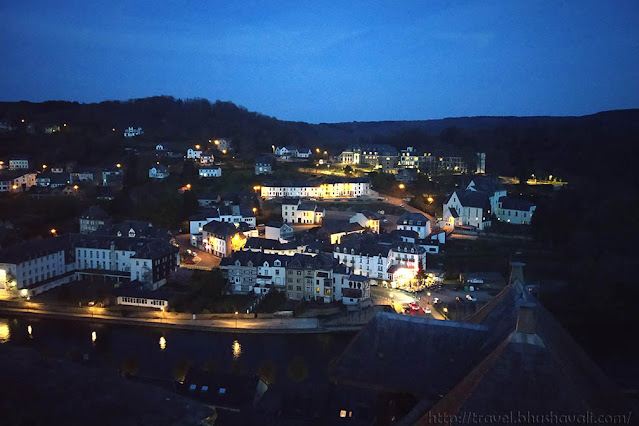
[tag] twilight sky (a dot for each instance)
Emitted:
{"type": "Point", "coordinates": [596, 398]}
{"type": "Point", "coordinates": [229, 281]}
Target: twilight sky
{"type": "Point", "coordinates": [319, 61]}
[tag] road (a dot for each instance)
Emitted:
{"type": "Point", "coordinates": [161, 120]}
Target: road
{"type": "Point", "coordinates": [399, 202]}
{"type": "Point", "coordinates": [202, 259]}
{"type": "Point", "coordinates": [396, 298]}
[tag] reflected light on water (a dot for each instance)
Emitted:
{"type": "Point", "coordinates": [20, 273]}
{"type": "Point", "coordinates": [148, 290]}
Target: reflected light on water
{"type": "Point", "coordinates": [162, 343]}
{"type": "Point", "coordinates": [94, 336]}
{"type": "Point", "coordinates": [5, 333]}
{"type": "Point", "coordinates": [30, 330]}
{"type": "Point", "coordinates": [237, 349]}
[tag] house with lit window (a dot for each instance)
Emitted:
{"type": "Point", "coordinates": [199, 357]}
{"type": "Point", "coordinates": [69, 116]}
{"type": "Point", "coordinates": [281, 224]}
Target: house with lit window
{"type": "Point", "coordinates": [132, 132]}
{"type": "Point", "coordinates": [333, 187]}
{"type": "Point", "coordinates": [467, 208]}
{"type": "Point", "coordinates": [310, 278]}
{"type": "Point", "coordinates": [210, 171]}
{"type": "Point", "coordinates": [297, 211]}
{"type": "Point", "coordinates": [367, 219]}
{"type": "Point", "coordinates": [159, 171]}
{"type": "Point", "coordinates": [248, 271]}
{"type": "Point", "coordinates": [417, 222]}
{"type": "Point", "coordinates": [222, 238]}
{"type": "Point", "coordinates": [514, 210]}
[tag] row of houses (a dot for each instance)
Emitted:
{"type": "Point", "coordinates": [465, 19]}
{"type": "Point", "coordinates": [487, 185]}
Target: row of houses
{"type": "Point", "coordinates": [35, 266]}
{"type": "Point", "coordinates": [287, 152]}
{"type": "Point", "coordinates": [334, 187]}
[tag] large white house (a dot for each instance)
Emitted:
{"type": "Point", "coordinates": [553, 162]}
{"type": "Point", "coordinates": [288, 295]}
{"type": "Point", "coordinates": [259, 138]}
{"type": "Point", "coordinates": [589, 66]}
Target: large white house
{"type": "Point", "coordinates": [193, 153]}
{"type": "Point", "coordinates": [330, 188]}
{"type": "Point", "coordinates": [16, 180]}
{"type": "Point", "coordinates": [210, 171]}
{"type": "Point", "coordinates": [256, 272]}
{"type": "Point", "coordinates": [18, 163]}
{"type": "Point", "coordinates": [467, 208]}
{"type": "Point", "coordinates": [222, 238]}
{"type": "Point", "coordinates": [296, 211]}
{"type": "Point", "coordinates": [414, 222]}
{"type": "Point", "coordinates": [490, 186]}
{"type": "Point", "coordinates": [349, 157]}
{"type": "Point", "coordinates": [227, 214]}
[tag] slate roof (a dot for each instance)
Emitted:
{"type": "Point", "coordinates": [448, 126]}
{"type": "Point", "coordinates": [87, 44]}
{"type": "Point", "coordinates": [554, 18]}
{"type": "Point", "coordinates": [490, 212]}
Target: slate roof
{"type": "Point", "coordinates": [370, 215]}
{"type": "Point", "coordinates": [220, 229]}
{"type": "Point", "coordinates": [256, 258]}
{"type": "Point", "coordinates": [334, 226]}
{"type": "Point", "coordinates": [142, 230]}
{"type": "Point", "coordinates": [417, 218]}
{"type": "Point", "coordinates": [475, 199]}
{"type": "Point", "coordinates": [453, 212]}
{"type": "Point", "coordinates": [520, 204]}
{"type": "Point", "coordinates": [488, 184]}
{"type": "Point", "coordinates": [32, 249]}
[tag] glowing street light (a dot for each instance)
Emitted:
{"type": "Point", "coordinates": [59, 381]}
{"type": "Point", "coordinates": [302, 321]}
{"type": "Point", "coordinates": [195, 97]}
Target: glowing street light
{"type": "Point", "coordinates": [402, 186]}
{"type": "Point", "coordinates": [118, 165]}
{"type": "Point", "coordinates": [430, 199]}
{"type": "Point", "coordinates": [217, 142]}
{"type": "Point", "coordinates": [22, 120]}
{"type": "Point", "coordinates": [54, 232]}
{"type": "Point", "coordinates": [197, 146]}
{"type": "Point", "coordinates": [317, 150]}
{"type": "Point", "coordinates": [254, 209]}
{"type": "Point", "coordinates": [44, 166]}
{"type": "Point", "coordinates": [223, 151]}
{"type": "Point", "coordinates": [188, 186]}
{"type": "Point", "coordinates": [14, 187]}
{"type": "Point", "coordinates": [75, 187]}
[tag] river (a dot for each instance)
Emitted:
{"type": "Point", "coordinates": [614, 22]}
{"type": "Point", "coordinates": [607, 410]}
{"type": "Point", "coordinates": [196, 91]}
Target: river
{"type": "Point", "coordinates": [157, 353]}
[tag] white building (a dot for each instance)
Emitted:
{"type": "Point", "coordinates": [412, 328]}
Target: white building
{"type": "Point", "coordinates": [349, 157]}
{"type": "Point", "coordinates": [18, 163]}
{"type": "Point", "coordinates": [330, 188]}
{"type": "Point", "coordinates": [370, 260]}
{"type": "Point", "coordinates": [303, 153]}
{"type": "Point", "coordinates": [367, 219]}
{"type": "Point", "coordinates": [131, 132]}
{"type": "Point", "coordinates": [355, 290]}
{"type": "Point", "coordinates": [278, 231]}
{"type": "Point", "coordinates": [159, 171]}
{"type": "Point", "coordinates": [16, 181]}
{"type": "Point", "coordinates": [221, 239]}
{"type": "Point", "coordinates": [193, 153]}
{"type": "Point", "coordinates": [515, 211]}
{"type": "Point", "coordinates": [467, 208]}
{"type": "Point", "coordinates": [210, 171]}
{"type": "Point", "coordinates": [414, 222]}
{"type": "Point", "coordinates": [296, 211]}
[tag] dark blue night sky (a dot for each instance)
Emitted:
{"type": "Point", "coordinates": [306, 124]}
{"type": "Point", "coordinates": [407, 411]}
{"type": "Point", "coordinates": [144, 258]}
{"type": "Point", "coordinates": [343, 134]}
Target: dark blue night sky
{"type": "Point", "coordinates": [325, 62]}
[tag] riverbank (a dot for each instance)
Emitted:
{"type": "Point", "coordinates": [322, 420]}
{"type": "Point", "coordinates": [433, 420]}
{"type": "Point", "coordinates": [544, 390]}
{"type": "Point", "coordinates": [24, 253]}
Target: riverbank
{"type": "Point", "coordinates": [224, 325]}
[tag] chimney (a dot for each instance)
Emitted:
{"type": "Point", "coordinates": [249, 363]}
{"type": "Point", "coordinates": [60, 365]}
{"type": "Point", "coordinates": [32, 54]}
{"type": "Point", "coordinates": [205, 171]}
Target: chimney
{"type": "Point", "coordinates": [526, 319]}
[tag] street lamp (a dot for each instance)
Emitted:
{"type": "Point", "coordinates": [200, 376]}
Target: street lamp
{"type": "Point", "coordinates": [54, 232]}
{"type": "Point", "coordinates": [118, 165]}
{"type": "Point", "coordinates": [402, 186]}
{"type": "Point", "coordinates": [254, 209]}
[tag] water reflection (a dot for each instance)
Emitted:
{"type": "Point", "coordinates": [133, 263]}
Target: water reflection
{"type": "Point", "coordinates": [94, 336]}
{"type": "Point", "coordinates": [30, 330]}
{"type": "Point", "coordinates": [162, 343]}
{"type": "Point", "coordinates": [5, 332]}
{"type": "Point", "coordinates": [237, 349]}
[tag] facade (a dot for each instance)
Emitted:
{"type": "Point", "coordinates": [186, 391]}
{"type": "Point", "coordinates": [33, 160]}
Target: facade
{"type": "Point", "coordinates": [193, 153]}
{"type": "Point", "coordinates": [358, 290]}
{"type": "Point", "coordinates": [222, 238]}
{"type": "Point", "coordinates": [310, 278]}
{"type": "Point", "coordinates": [491, 186]}
{"type": "Point", "coordinates": [481, 163]}
{"type": "Point", "coordinates": [301, 212]}
{"type": "Point", "coordinates": [235, 215]}
{"type": "Point", "coordinates": [16, 180]}
{"type": "Point", "coordinates": [515, 211]}
{"type": "Point", "coordinates": [210, 171]}
{"type": "Point", "coordinates": [364, 257]}
{"type": "Point", "coordinates": [303, 153]}
{"type": "Point", "coordinates": [133, 131]}
{"type": "Point", "coordinates": [82, 176]}
{"type": "Point", "coordinates": [248, 271]}
{"type": "Point", "coordinates": [409, 158]}
{"type": "Point", "coordinates": [329, 188]}
{"type": "Point", "coordinates": [414, 222]}
{"type": "Point", "coordinates": [468, 208]}
{"type": "Point", "coordinates": [18, 163]}
{"type": "Point", "coordinates": [349, 157]}
{"type": "Point", "coordinates": [264, 165]}
{"type": "Point", "coordinates": [159, 171]}
{"type": "Point", "coordinates": [389, 163]}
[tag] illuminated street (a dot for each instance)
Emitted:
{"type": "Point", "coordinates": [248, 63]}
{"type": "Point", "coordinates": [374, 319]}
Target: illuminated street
{"type": "Point", "coordinates": [397, 299]}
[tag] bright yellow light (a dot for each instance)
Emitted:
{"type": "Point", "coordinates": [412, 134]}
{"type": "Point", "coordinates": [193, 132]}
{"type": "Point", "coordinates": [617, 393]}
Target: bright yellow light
{"type": "Point", "coordinates": [44, 166]}
{"type": "Point", "coordinates": [188, 186]}
{"type": "Point", "coordinates": [217, 142]}
{"type": "Point", "coordinates": [53, 231]}
{"type": "Point", "coordinates": [162, 343]}
{"type": "Point", "coordinates": [223, 151]}
{"type": "Point", "coordinates": [29, 330]}
{"type": "Point", "coordinates": [254, 209]}
{"type": "Point", "coordinates": [236, 237]}
{"type": "Point", "coordinates": [236, 312]}
{"type": "Point", "coordinates": [118, 165]}
{"type": "Point", "coordinates": [65, 124]}
{"type": "Point", "coordinates": [210, 140]}
{"type": "Point", "coordinates": [317, 150]}
{"type": "Point", "coordinates": [23, 120]}
{"type": "Point", "coordinates": [15, 187]}
{"type": "Point", "coordinates": [402, 186]}
{"type": "Point", "coordinates": [94, 336]}
{"type": "Point", "coordinates": [113, 129]}
{"type": "Point", "coordinates": [430, 199]}
{"type": "Point", "coordinates": [75, 187]}
{"type": "Point", "coordinates": [237, 349]}
{"type": "Point", "coordinates": [197, 146]}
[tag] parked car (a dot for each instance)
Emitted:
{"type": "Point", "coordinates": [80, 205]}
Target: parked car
{"type": "Point", "coordinates": [414, 307]}
{"type": "Point", "coordinates": [189, 262]}
{"type": "Point", "coordinates": [427, 310]}
{"type": "Point", "coordinates": [471, 298]}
